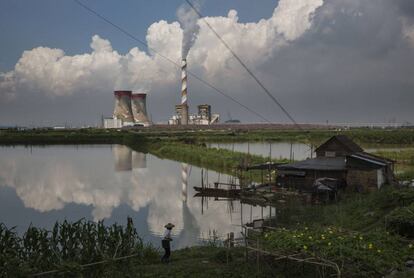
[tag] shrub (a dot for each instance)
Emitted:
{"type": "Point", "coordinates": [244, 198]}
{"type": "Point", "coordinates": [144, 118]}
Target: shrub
{"type": "Point", "coordinates": [401, 221]}
{"type": "Point", "coordinates": [370, 254]}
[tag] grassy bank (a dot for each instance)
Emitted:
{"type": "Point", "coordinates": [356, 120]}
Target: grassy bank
{"type": "Point", "coordinates": [404, 167]}
{"type": "Point", "coordinates": [48, 137]}
{"type": "Point", "coordinates": [219, 160]}
{"type": "Point", "coordinates": [367, 235]}
{"type": "Point", "coordinates": [399, 136]}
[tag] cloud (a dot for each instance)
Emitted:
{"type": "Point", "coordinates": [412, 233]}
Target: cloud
{"type": "Point", "coordinates": [52, 72]}
{"type": "Point", "coordinates": [293, 17]}
{"type": "Point", "coordinates": [315, 56]}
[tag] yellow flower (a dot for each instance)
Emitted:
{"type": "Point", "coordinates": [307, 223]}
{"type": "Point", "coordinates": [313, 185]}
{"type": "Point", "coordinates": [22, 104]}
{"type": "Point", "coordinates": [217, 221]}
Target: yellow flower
{"type": "Point", "coordinates": [305, 247]}
{"type": "Point", "coordinates": [310, 237]}
{"type": "Point", "coordinates": [322, 237]}
{"type": "Point", "coordinates": [329, 244]}
{"type": "Point", "coordinates": [361, 238]}
{"type": "Point", "coordinates": [294, 236]}
{"type": "Point", "coordinates": [410, 245]}
{"type": "Point", "coordinates": [306, 228]}
{"type": "Point", "coordinates": [330, 232]}
{"type": "Point", "coordinates": [370, 246]}
{"type": "Point", "coordinates": [266, 235]}
{"type": "Point", "coordinates": [379, 250]}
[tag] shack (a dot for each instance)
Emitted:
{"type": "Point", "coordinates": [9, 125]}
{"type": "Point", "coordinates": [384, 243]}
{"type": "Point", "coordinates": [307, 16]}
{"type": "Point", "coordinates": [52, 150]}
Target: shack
{"type": "Point", "coordinates": [342, 159]}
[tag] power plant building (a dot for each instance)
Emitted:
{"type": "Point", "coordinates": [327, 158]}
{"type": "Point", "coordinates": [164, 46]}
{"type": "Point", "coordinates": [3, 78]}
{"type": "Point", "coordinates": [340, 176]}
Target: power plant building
{"type": "Point", "coordinates": [203, 117]}
{"type": "Point", "coordinates": [182, 116]}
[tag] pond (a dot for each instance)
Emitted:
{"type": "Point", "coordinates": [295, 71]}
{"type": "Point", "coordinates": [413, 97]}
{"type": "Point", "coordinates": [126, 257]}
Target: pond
{"type": "Point", "coordinates": [41, 185]}
{"type": "Point", "coordinates": [294, 150]}
{"type": "Point", "coordinates": [277, 150]}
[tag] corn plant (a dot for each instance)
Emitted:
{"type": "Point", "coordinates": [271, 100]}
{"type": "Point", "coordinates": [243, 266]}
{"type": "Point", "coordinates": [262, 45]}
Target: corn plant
{"type": "Point", "coordinates": [68, 246]}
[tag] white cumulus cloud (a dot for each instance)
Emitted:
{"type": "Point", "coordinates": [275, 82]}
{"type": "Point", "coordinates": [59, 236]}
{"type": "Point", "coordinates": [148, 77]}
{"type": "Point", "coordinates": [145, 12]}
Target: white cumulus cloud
{"type": "Point", "coordinates": [51, 72]}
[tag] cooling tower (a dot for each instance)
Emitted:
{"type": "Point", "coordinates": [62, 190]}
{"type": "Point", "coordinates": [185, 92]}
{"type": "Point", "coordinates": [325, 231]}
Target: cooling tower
{"type": "Point", "coordinates": [123, 158]}
{"type": "Point", "coordinates": [139, 160]}
{"type": "Point", "coordinates": [123, 109]}
{"type": "Point", "coordinates": [139, 108]}
{"type": "Point", "coordinates": [184, 104]}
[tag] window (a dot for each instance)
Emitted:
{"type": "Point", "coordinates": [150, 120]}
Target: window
{"type": "Point", "coordinates": [330, 154]}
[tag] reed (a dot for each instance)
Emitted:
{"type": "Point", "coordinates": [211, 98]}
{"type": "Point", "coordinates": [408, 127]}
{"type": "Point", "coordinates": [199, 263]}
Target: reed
{"type": "Point", "coordinates": [68, 246]}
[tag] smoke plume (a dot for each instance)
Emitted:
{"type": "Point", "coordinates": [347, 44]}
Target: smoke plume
{"type": "Point", "coordinates": [188, 20]}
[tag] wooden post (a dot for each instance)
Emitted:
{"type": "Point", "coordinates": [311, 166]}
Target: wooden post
{"type": "Point", "coordinates": [257, 257]}
{"type": "Point", "coordinates": [246, 254]}
{"type": "Point", "coordinates": [227, 249]}
{"type": "Point", "coordinates": [231, 239]}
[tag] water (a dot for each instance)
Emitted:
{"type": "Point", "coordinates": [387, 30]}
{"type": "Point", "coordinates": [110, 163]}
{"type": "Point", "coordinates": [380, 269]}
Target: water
{"type": "Point", "coordinates": [300, 151]}
{"type": "Point", "coordinates": [277, 150]}
{"type": "Point", "coordinates": [41, 185]}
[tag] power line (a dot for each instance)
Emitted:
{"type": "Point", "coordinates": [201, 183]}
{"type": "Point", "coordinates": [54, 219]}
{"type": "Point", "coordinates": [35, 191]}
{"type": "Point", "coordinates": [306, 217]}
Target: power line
{"type": "Point", "coordinates": [243, 64]}
{"type": "Point", "coordinates": [128, 34]}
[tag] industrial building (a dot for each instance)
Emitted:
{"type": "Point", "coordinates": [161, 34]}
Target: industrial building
{"type": "Point", "coordinates": [130, 110]}
{"type": "Point", "coordinates": [203, 117]}
{"type": "Point", "coordinates": [182, 116]}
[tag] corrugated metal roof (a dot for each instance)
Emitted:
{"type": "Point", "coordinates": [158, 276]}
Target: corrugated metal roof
{"type": "Point", "coordinates": [319, 163]}
{"type": "Point", "coordinates": [344, 140]}
{"type": "Point", "coordinates": [372, 158]}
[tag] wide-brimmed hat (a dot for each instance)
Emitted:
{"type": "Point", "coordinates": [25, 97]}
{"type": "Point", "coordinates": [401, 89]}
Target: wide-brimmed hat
{"type": "Point", "coordinates": [169, 226]}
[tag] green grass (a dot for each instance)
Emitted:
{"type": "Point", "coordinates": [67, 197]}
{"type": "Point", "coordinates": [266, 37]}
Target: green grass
{"type": "Point", "coordinates": [404, 157]}
{"type": "Point", "coordinates": [399, 136]}
{"type": "Point", "coordinates": [363, 232]}
{"type": "Point", "coordinates": [220, 160]}
{"type": "Point", "coordinates": [404, 162]}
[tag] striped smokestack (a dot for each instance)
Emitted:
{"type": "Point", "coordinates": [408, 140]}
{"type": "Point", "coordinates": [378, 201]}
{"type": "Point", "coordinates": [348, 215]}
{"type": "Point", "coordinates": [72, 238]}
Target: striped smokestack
{"type": "Point", "coordinates": [184, 104]}
{"type": "Point", "coordinates": [184, 181]}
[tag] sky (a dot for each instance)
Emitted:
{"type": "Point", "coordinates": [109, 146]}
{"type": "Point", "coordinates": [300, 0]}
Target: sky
{"type": "Point", "coordinates": [341, 61]}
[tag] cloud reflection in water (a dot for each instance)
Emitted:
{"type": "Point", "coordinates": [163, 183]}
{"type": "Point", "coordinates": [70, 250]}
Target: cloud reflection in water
{"type": "Point", "coordinates": [105, 177]}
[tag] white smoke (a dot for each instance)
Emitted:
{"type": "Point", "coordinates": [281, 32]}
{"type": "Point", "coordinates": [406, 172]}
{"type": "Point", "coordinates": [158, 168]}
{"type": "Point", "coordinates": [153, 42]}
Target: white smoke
{"type": "Point", "coordinates": [188, 19]}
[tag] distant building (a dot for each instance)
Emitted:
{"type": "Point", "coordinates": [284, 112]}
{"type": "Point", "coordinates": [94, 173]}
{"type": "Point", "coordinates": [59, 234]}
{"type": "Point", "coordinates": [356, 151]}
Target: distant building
{"type": "Point", "coordinates": [232, 121]}
{"type": "Point", "coordinates": [342, 159]}
{"type": "Point", "coordinates": [203, 117]}
{"type": "Point", "coordinates": [112, 123]}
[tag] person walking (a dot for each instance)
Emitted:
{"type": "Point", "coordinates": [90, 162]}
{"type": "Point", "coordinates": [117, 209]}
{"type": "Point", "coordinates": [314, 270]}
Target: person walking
{"type": "Point", "coordinates": [166, 243]}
